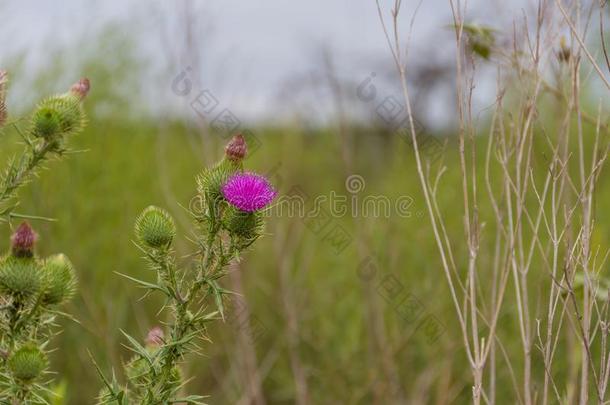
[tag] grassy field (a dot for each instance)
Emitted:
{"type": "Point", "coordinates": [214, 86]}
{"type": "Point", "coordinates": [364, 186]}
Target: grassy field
{"type": "Point", "coordinates": [365, 320]}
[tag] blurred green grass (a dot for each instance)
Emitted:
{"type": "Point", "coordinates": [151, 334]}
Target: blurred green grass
{"type": "Point", "coordinates": [96, 195]}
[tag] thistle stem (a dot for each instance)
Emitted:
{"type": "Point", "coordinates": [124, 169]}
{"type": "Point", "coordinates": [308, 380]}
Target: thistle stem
{"type": "Point", "coordinates": [182, 325]}
{"type": "Point", "coordinates": [28, 163]}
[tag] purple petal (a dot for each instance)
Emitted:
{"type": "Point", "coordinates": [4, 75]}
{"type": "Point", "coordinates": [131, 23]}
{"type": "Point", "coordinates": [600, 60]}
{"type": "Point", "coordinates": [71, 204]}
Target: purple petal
{"type": "Point", "coordinates": [248, 192]}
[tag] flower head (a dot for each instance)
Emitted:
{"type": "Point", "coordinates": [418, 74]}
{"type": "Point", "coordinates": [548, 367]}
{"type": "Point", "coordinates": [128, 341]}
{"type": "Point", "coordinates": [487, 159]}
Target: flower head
{"type": "Point", "coordinates": [236, 149]}
{"type": "Point", "coordinates": [155, 337]}
{"type": "Point", "coordinates": [23, 240]}
{"type": "Point", "coordinates": [81, 88]}
{"type": "Point", "coordinates": [248, 192]}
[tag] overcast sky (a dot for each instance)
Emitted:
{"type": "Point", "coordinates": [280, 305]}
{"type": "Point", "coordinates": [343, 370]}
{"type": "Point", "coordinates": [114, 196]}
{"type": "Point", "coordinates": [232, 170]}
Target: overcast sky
{"type": "Point", "coordinates": [251, 52]}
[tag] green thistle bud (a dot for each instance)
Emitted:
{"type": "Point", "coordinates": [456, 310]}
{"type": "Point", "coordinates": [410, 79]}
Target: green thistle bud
{"type": "Point", "coordinates": [57, 117]}
{"type": "Point", "coordinates": [20, 277]}
{"type": "Point", "coordinates": [210, 181]}
{"type": "Point", "coordinates": [155, 227]}
{"type": "Point", "coordinates": [46, 122]}
{"type": "Point", "coordinates": [247, 225]}
{"type": "Point", "coordinates": [27, 363]}
{"type": "Point", "coordinates": [59, 280]}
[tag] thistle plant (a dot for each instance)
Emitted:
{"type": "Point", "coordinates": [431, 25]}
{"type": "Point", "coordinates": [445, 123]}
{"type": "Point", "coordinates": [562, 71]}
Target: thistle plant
{"type": "Point", "coordinates": [228, 213]}
{"type": "Point", "coordinates": [31, 291]}
{"type": "Point", "coordinates": [52, 123]}
{"type": "Point", "coordinates": [31, 288]}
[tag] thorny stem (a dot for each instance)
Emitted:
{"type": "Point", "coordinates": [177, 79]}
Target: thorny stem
{"type": "Point", "coordinates": [182, 325]}
{"type": "Point", "coordinates": [28, 163]}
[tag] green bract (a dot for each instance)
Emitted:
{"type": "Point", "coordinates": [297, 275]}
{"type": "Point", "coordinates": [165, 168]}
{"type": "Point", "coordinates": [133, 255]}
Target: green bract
{"type": "Point", "coordinates": [247, 225]}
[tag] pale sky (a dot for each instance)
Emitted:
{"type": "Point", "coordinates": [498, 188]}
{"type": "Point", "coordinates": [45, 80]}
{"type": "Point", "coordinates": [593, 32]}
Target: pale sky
{"type": "Point", "coordinates": [252, 53]}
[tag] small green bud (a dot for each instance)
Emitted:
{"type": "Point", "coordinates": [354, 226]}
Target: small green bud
{"type": "Point", "coordinates": [20, 277]}
{"type": "Point", "coordinates": [57, 117]}
{"type": "Point", "coordinates": [155, 227]}
{"type": "Point", "coordinates": [27, 363]}
{"type": "Point", "coordinates": [46, 122]}
{"type": "Point", "coordinates": [210, 181]}
{"type": "Point", "coordinates": [59, 279]}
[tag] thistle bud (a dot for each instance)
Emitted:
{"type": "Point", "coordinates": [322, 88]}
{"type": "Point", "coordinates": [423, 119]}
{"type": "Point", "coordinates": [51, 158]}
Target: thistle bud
{"type": "Point", "coordinates": [81, 88]}
{"type": "Point", "coordinates": [155, 337]}
{"type": "Point", "coordinates": [236, 150]}
{"type": "Point", "coordinates": [27, 363]}
{"type": "Point", "coordinates": [23, 240]}
{"type": "Point", "coordinates": [3, 82]}
{"type": "Point", "coordinates": [20, 278]}
{"type": "Point", "coordinates": [155, 227]}
{"type": "Point", "coordinates": [59, 116]}
{"type": "Point", "coordinates": [210, 181]}
{"type": "Point", "coordinates": [59, 280]}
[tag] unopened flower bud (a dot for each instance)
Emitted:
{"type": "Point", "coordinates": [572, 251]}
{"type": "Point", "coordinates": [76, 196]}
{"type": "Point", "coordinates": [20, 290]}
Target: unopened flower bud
{"type": "Point", "coordinates": [236, 150]}
{"type": "Point", "coordinates": [27, 363]}
{"type": "Point", "coordinates": [155, 227]}
{"type": "Point", "coordinates": [59, 279]}
{"type": "Point", "coordinates": [155, 337]}
{"type": "Point", "coordinates": [81, 88]}
{"type": "Point", "coordinates": [58, 116]}
{"type": "Point", "coordinates": [20, 277]}
{"type": "Point", "coordinates": [23, 240]}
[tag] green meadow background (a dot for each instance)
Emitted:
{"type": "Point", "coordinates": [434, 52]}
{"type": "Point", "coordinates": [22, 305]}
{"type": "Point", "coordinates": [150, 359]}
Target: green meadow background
{"type": "Point", "coordinates": [361, 324]}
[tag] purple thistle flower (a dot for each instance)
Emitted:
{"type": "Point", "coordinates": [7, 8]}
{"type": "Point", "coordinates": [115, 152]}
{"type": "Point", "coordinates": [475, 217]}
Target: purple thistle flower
{"type": "Point", "coordinates": [248, 191]}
